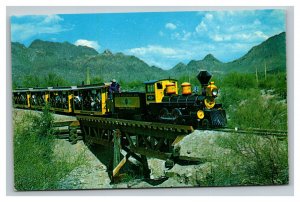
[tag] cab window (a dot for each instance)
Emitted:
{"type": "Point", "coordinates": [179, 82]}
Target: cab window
{"type": "Point", "coordinates": [150, 88]}
{"type": "Point", "coordinates": [159, 86]}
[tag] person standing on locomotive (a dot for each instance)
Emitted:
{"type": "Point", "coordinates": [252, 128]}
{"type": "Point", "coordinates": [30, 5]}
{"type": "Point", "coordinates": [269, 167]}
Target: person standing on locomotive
{"type": "Point", "coordinates": [114, 88]}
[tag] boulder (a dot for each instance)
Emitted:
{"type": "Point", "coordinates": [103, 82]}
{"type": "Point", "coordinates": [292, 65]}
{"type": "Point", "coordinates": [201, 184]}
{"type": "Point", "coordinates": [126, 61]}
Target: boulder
{"type": "Point", "coordinates": [157, 168]}
{"type": "Point", "coordinates": [190, 175]}
{"type": "Point", "coordinates": [200, 145]}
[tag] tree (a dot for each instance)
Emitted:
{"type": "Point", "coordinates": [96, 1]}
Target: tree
{"type": "Point", "coordinates": [31, 81]}
{"type": "Point", "coordinates": [53, 79]}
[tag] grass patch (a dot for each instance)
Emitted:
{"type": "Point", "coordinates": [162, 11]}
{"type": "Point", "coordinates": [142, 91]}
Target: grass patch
{"type": "Point", "coordinates": [253, 160]}
{"type": "Point", "coordinates": [252, 104]}
{"type": "Point", "coordinates": [35, 166]}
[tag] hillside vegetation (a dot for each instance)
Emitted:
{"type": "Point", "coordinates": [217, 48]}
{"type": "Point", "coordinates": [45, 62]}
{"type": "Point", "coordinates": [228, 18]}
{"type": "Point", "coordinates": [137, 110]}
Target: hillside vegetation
{"type": "Point", "coordinates": [69, 64]}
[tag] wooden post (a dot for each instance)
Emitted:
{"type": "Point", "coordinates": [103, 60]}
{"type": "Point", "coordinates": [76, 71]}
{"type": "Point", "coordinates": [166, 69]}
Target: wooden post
{"type": "Point", "coordinates": [117, 148]}
{"type": "Point", "coordinates": [146, 170]}
{"type": "Point", "coordinates": [120, 165]}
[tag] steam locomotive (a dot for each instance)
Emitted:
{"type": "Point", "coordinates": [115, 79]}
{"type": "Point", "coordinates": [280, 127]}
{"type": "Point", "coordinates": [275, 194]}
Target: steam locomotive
{"type": "Point", "coordinates": [160, 102]}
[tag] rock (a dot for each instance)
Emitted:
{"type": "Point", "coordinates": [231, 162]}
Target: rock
{"type": "Point", "coordinates": [200, 145]}
{"type": "Point", "coordinates": [191, 175]}
{"type": "Point", "coordinates": [171, 182]}
{"type": "Point", "coordinates": [157, 168]}
{"type": "Point", "coordinates": [141, 184]}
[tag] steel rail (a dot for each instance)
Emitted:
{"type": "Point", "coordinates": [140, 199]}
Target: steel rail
{"type": "Point", "coordinates": [255, 131]}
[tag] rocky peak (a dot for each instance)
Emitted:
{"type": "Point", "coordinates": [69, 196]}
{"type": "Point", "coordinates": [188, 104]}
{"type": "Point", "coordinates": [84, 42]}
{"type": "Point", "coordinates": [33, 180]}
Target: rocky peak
{"type": "Point", "coordinates": [107, 52]}
{"type": "Point", "coordinates": [210, 58]}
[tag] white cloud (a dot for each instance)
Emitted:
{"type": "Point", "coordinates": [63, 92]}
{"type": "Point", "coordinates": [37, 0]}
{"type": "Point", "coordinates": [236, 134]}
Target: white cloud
{"type": "Point", "coordinates": [52, 19]}
{"type": "Point", "coordinates": [201, 27]}
{"type": "Point", "coordinates": [36, 25]}
{"type": "Point", "coordinates": [154, 49]}
{"type": "Point", "coordinates": [243, 36]}
{"type": "Point", "coordinates": [84, 42]}
{"type": "Point", "coordinates": [209, 16]}
{"type": "Point", "coordinates": [260, 34]}
{"type": "Point", "coordinates": [257, 22]}
{"type": "Point", "coordinates": [184, 36]}
{"type": "Point", "coordinates": [164, 57]}
{"type": "Point", "coordinates": [221, 37]}
{"type": "Point", "coordinates": [170, 26]}
{"type": "Point", "coordinates": [217, 38]}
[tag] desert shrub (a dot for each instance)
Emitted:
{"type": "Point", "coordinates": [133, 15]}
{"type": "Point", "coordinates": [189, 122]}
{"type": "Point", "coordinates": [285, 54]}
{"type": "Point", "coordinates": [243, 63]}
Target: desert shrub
{"type": "Point", "coordinates": [253, 160]}
{"type": "Point", "coordinates": [35, 166]}
{"type": "Point", "coordinates": [258, 112]}
{"type": "Point", "coordinates": [31, 81]}
{"type": "Point", "coordinates": [232, 97]}
{"type": "Point", "coordinates": [133, 86]}
{"type": "Point", "coordinates": [96, 80]}
{"type": "Point", "coordinates": [239, 80]}
{"type": "Point", "coordinates": [276, 82]}
{"type": "Point", "coordinates": [52, 79]}
{"type": "Point", "coordinates": [246, 107]}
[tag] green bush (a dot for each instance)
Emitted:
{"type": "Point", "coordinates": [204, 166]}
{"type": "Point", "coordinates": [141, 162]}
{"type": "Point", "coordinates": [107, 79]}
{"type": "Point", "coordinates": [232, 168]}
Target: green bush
{"type": "Point", "coordinates": [253, 160]}
{"type": "Point", "coordinates": [245, 105]}
{"type": "Point", "coordinates": [258, 112]}
{"type": "Point", "coordinates": [35, 166]}
{"type": "Point", "coordinates": [276, 82]}
{"type": "Point", "coordinates": [232, 97]}
{"type": "Point", "coordinates": [240, 81]}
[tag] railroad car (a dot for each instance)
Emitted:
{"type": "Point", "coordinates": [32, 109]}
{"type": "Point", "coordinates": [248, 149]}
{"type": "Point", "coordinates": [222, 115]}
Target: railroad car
{"type": "Point", "coordinates": [60, 99]}
{"type": "Point", "coordinates": [91, 99]}
{"type": "Point", "coordinates": [21, 98]}
{"type": "Point", "coordinates": [37, 97]}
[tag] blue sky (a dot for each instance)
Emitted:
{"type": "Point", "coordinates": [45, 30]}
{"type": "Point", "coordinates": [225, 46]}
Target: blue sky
{"type": "Point", "coordinates": [159, 38]}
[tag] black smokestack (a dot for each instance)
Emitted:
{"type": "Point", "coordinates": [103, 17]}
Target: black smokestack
{"type": "Point", "coordinates": [204, 77]}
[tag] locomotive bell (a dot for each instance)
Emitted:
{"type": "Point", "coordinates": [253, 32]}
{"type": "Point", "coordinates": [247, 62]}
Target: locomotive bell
{"type": "Point", "coordinates": [204, 77]}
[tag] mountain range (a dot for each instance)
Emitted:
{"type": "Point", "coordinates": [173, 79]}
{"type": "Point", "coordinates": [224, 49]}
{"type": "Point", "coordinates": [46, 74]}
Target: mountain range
{"type": "Point", "coordinates": [71, 62]}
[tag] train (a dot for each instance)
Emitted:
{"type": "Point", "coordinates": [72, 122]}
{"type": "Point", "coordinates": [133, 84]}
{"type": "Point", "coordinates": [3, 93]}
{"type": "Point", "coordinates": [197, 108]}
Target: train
{"type": "Point", "coordinates": [160, 102]}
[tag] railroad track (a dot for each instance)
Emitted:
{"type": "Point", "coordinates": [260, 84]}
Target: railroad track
{"type": "Point", "coordinates": [255, 131]}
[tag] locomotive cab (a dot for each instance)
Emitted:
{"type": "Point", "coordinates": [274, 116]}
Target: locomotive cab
{"type": "Point", "coordinates": [157, 89]}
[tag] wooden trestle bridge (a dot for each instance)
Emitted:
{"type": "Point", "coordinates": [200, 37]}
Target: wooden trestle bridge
{"type": "Point", "coordinates": [138, 139]}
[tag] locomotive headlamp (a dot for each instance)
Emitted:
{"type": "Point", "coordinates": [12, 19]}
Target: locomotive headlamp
{"type": "Point", "coordinates": [212, 89]}
{"type": "Point", "coordinates": [215, 92]}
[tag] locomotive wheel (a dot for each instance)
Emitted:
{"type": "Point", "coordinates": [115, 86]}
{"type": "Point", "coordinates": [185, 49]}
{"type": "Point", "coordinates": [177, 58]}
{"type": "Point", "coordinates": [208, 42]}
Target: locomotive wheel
{"type": "Point", "coordinates": [163, 113]}
{"type": "Point", "coordinates": [176, 113]}
{"type": "Point", "coordinates": [205, 124]}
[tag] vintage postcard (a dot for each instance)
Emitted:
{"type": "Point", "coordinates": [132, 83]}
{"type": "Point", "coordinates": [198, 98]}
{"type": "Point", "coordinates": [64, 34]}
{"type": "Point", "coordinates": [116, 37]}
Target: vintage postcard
{"type": "Point", "coordinates": [149, 99]}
